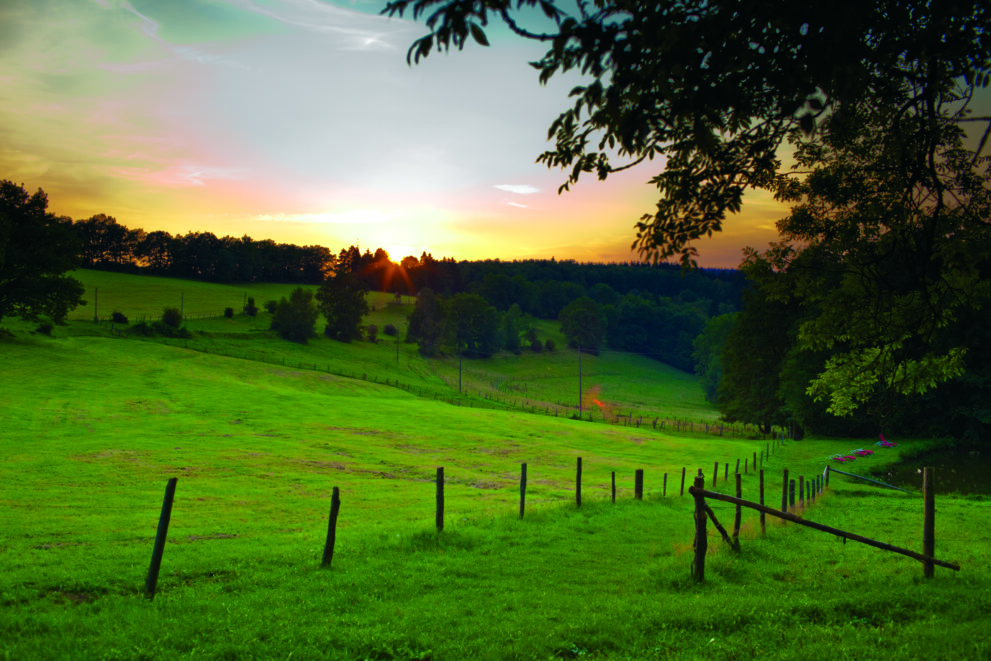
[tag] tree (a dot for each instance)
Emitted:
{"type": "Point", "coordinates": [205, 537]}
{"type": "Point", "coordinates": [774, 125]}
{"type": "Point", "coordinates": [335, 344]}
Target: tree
{"type": "Point", "coordinates": [295, 318]}
{"type": "Point", "coordinates": [473, 325]}
{"type": "Point", "coordinates": [870, 99]}
{"type": "Point", "coordinates": [708, 348]}
{"type": "Point", "coordinates": [36, 250]}
{"type": "Point", "coordinates": [342, 302]}
{"type": "Point", "coordinates": [583, 323]}
{"type": "Point", "coordinates": [427, 323]}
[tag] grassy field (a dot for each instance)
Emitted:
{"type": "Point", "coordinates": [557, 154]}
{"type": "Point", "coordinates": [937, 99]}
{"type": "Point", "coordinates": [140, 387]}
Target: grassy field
{"type": "Point", "coordinates": [93, 425]}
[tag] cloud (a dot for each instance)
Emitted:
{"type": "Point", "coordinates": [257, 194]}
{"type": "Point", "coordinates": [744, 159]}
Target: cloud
{"type": "Point", "coordinates": [517, 189]}
{"type": "Point", "coordinates": [517, 205]}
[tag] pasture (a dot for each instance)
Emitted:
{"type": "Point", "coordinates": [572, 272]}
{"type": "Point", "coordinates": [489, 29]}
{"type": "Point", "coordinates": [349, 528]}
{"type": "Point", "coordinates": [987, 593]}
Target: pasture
{"type": "Point", "coordinates": [258, 431]}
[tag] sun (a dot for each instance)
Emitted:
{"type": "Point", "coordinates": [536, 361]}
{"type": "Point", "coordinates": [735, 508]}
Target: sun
{"type": "Point", "coordinates": [397, 252]}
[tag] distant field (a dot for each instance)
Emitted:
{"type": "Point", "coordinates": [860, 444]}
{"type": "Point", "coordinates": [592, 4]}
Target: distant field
{"type": "Point", "coordinates": [258, 431]}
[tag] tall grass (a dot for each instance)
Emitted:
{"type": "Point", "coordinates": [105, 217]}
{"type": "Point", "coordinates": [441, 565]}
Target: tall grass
{"type": "Point", "coordinates": [92, 427]}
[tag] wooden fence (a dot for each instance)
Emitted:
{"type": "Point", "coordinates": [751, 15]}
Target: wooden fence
{"type": "Point", "coordinates": [703, 513]}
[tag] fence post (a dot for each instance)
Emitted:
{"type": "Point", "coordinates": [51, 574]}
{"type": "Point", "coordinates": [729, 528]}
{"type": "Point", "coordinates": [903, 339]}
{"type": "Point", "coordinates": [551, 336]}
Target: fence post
{"type": "Point", "coordinates": [726, 472]}
{"type": "Point", "coordinates": [440, 498]}
{"type": "Point", "coordinates": [664, 489]}
{"type": "Point", "coordinates": [763, 526]}
{"type": "Point", "coordinates": [739, 513]}
{"type": "Point", "coordinates": [163, 531]}
{"type": "Point", "coordinates": [737, 468]}
{"type": "Point", "coordinates": [784, 492]}
{"type": "Point", "coordinates": [522, 489]}
{"type": "Point", "coordinates": [827, 476]}
{"type": "Point", "coordinates": [682, 480]}
{"type": "Point", "coordinates": [335, 508]}
{"type": "Point", "coordinates": [715, 473]}
{"type": "Point", "coordinates": [614, 487]}
{"type": "Point", "coordinates": [701, 540]}
{"type": "Point", "coordinates": [791, 493]}
{"type": "Point", "coordinates": [801, 492]}
{"type": "Point", "coordinates": [928, 520]}
{"type": "Point", "coordinates": [578, 484]}
{"type": "Point", "coordinates": [638, 484]}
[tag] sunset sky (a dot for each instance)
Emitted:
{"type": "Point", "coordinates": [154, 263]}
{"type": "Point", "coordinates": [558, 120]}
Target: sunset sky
{"type": "Point", "coordinates": [300, 121]}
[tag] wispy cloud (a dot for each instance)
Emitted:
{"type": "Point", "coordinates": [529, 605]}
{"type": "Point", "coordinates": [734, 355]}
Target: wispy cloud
{"type": "Point", "coordinates": [517, 189]}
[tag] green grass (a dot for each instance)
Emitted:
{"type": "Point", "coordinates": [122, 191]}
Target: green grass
{"type": "Point", "coordinates": [93, 426]}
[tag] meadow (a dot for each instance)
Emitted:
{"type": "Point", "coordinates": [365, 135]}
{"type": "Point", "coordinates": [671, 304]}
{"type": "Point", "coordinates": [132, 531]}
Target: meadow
{"type": "Point", "coordinates": [259, 431]}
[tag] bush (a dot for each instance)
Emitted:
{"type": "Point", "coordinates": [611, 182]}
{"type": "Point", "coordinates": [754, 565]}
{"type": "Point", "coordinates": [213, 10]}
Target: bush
{"type": "Point", "coordinates": [45, 327]}
{"type": "Point", "coordinates": [372, 333]}
{"type": "Point", "coordinates": [251, 309]}
{"type": "Point", "coordinates": [549, 345]}
{"type": "Point", "coordinates": [389, 330]}
{"type": "Point", "coordinates": [295, 318]}
{"type": "Point", "coordinates": [142, 328]}
{"type": "Point", "coordinates": [229, 313]}
{"type": "Point", "coordinates": [172, 317]}
{"type": "Point", "coordinates": [118, 318]}
{"type": "Point", "coordinates": [271, 306]}
{"type": "Point", "coordinates": [536, 346]}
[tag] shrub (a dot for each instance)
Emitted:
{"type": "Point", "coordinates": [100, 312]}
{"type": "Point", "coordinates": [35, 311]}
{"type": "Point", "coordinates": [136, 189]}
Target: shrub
{"type": "Point", "coordinates": [142, 328]}
{"type": "Point", "coordinates": [172, 317]}
{"type": "Point", "coordinates": [389, 330]}
{"type": "Point", "coordinates": [229, 313]}
{"type": "Point", "coordinates": [271, 306]}
{"type": "Point", "coordinates": [251, 309]}
{"type": "Point", "coordinates": [118, 317]}
{"type": "Point", "coordinates": [549, 345]}
{"type": "Point", "coordinates": [372, 333]}
{"type": "Point", "coordinates": [536, 346]}
{"type": "Point", "coordinates": [45, 327]}
{"type": "Point", "coordinates": [295, 318]}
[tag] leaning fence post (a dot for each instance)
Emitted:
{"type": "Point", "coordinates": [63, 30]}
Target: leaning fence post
{"type": "Point", "coordinates": [701, 541]}
{"type": "Point", "coordinates": [440, 498]}
{"type": "Point", "coordinates": [335, 508]}
{"type": "Point", "coordinates": [928, 521]}
{"type": "Point", "coordinates": [163, 531]}
{"type": "Point", "coordinates": [522, 489]}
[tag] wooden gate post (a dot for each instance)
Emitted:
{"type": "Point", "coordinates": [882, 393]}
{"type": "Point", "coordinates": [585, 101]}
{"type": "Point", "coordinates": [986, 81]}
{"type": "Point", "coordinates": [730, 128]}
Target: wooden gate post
{"type": "Point", "coordinates": [928, 521]}
{"type": "Point", "coordinates": [701, 540]}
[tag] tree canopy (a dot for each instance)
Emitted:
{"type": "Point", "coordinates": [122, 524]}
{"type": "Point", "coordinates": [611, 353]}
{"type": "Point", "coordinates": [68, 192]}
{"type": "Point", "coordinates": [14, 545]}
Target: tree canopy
{"type": "Point", "coordinates": [887, 244]}
{"type": "Point", "coordinates": [36, 250]}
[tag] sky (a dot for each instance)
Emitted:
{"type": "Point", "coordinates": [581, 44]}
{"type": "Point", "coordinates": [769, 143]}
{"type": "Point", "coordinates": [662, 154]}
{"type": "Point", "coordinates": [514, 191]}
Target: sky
{"type": "Point", "coordinates": [301, 121]}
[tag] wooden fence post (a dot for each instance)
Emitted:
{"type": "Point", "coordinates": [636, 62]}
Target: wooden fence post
{"type": "Point", "coordinates": [739, 513]}
{"type": "Point", "coordinates": [801, 492]}
{"type": "Point", "coordinates": [335, 508]}
{"type": "Point", "coordinates": [614, 487]}
{"type": "Point", "coordinates": [440, 498]}
{"type": "Point", "coordinates": [160, 537]}
{"type": "Point", "coordinates": [578, 484]}
{"type": "Point", "coordinates": [522, 489]}
{"type": "Point", "coordinates": [726, 471]}
{"type": "Point", "coordinates": [701, 540]}
{"type": "Point", "coordinates": [763, 526]}
{"type": "Point", "coordinates": [682, 480]}
{"type": "Point", "coordinates": [791, 494]}
{"type": "Point", "coordinates": [638, 484]}
{"type": "Point", "coordinates": [928, 520]}
{"type": "Point", "coordinates": [715, 473]}
{"type": "Point", "coordinates": [737, 468]}
{"type": "Point", "coordinates": [784, 492]}
{"type": "Point", "coordinates": [664, 489]}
